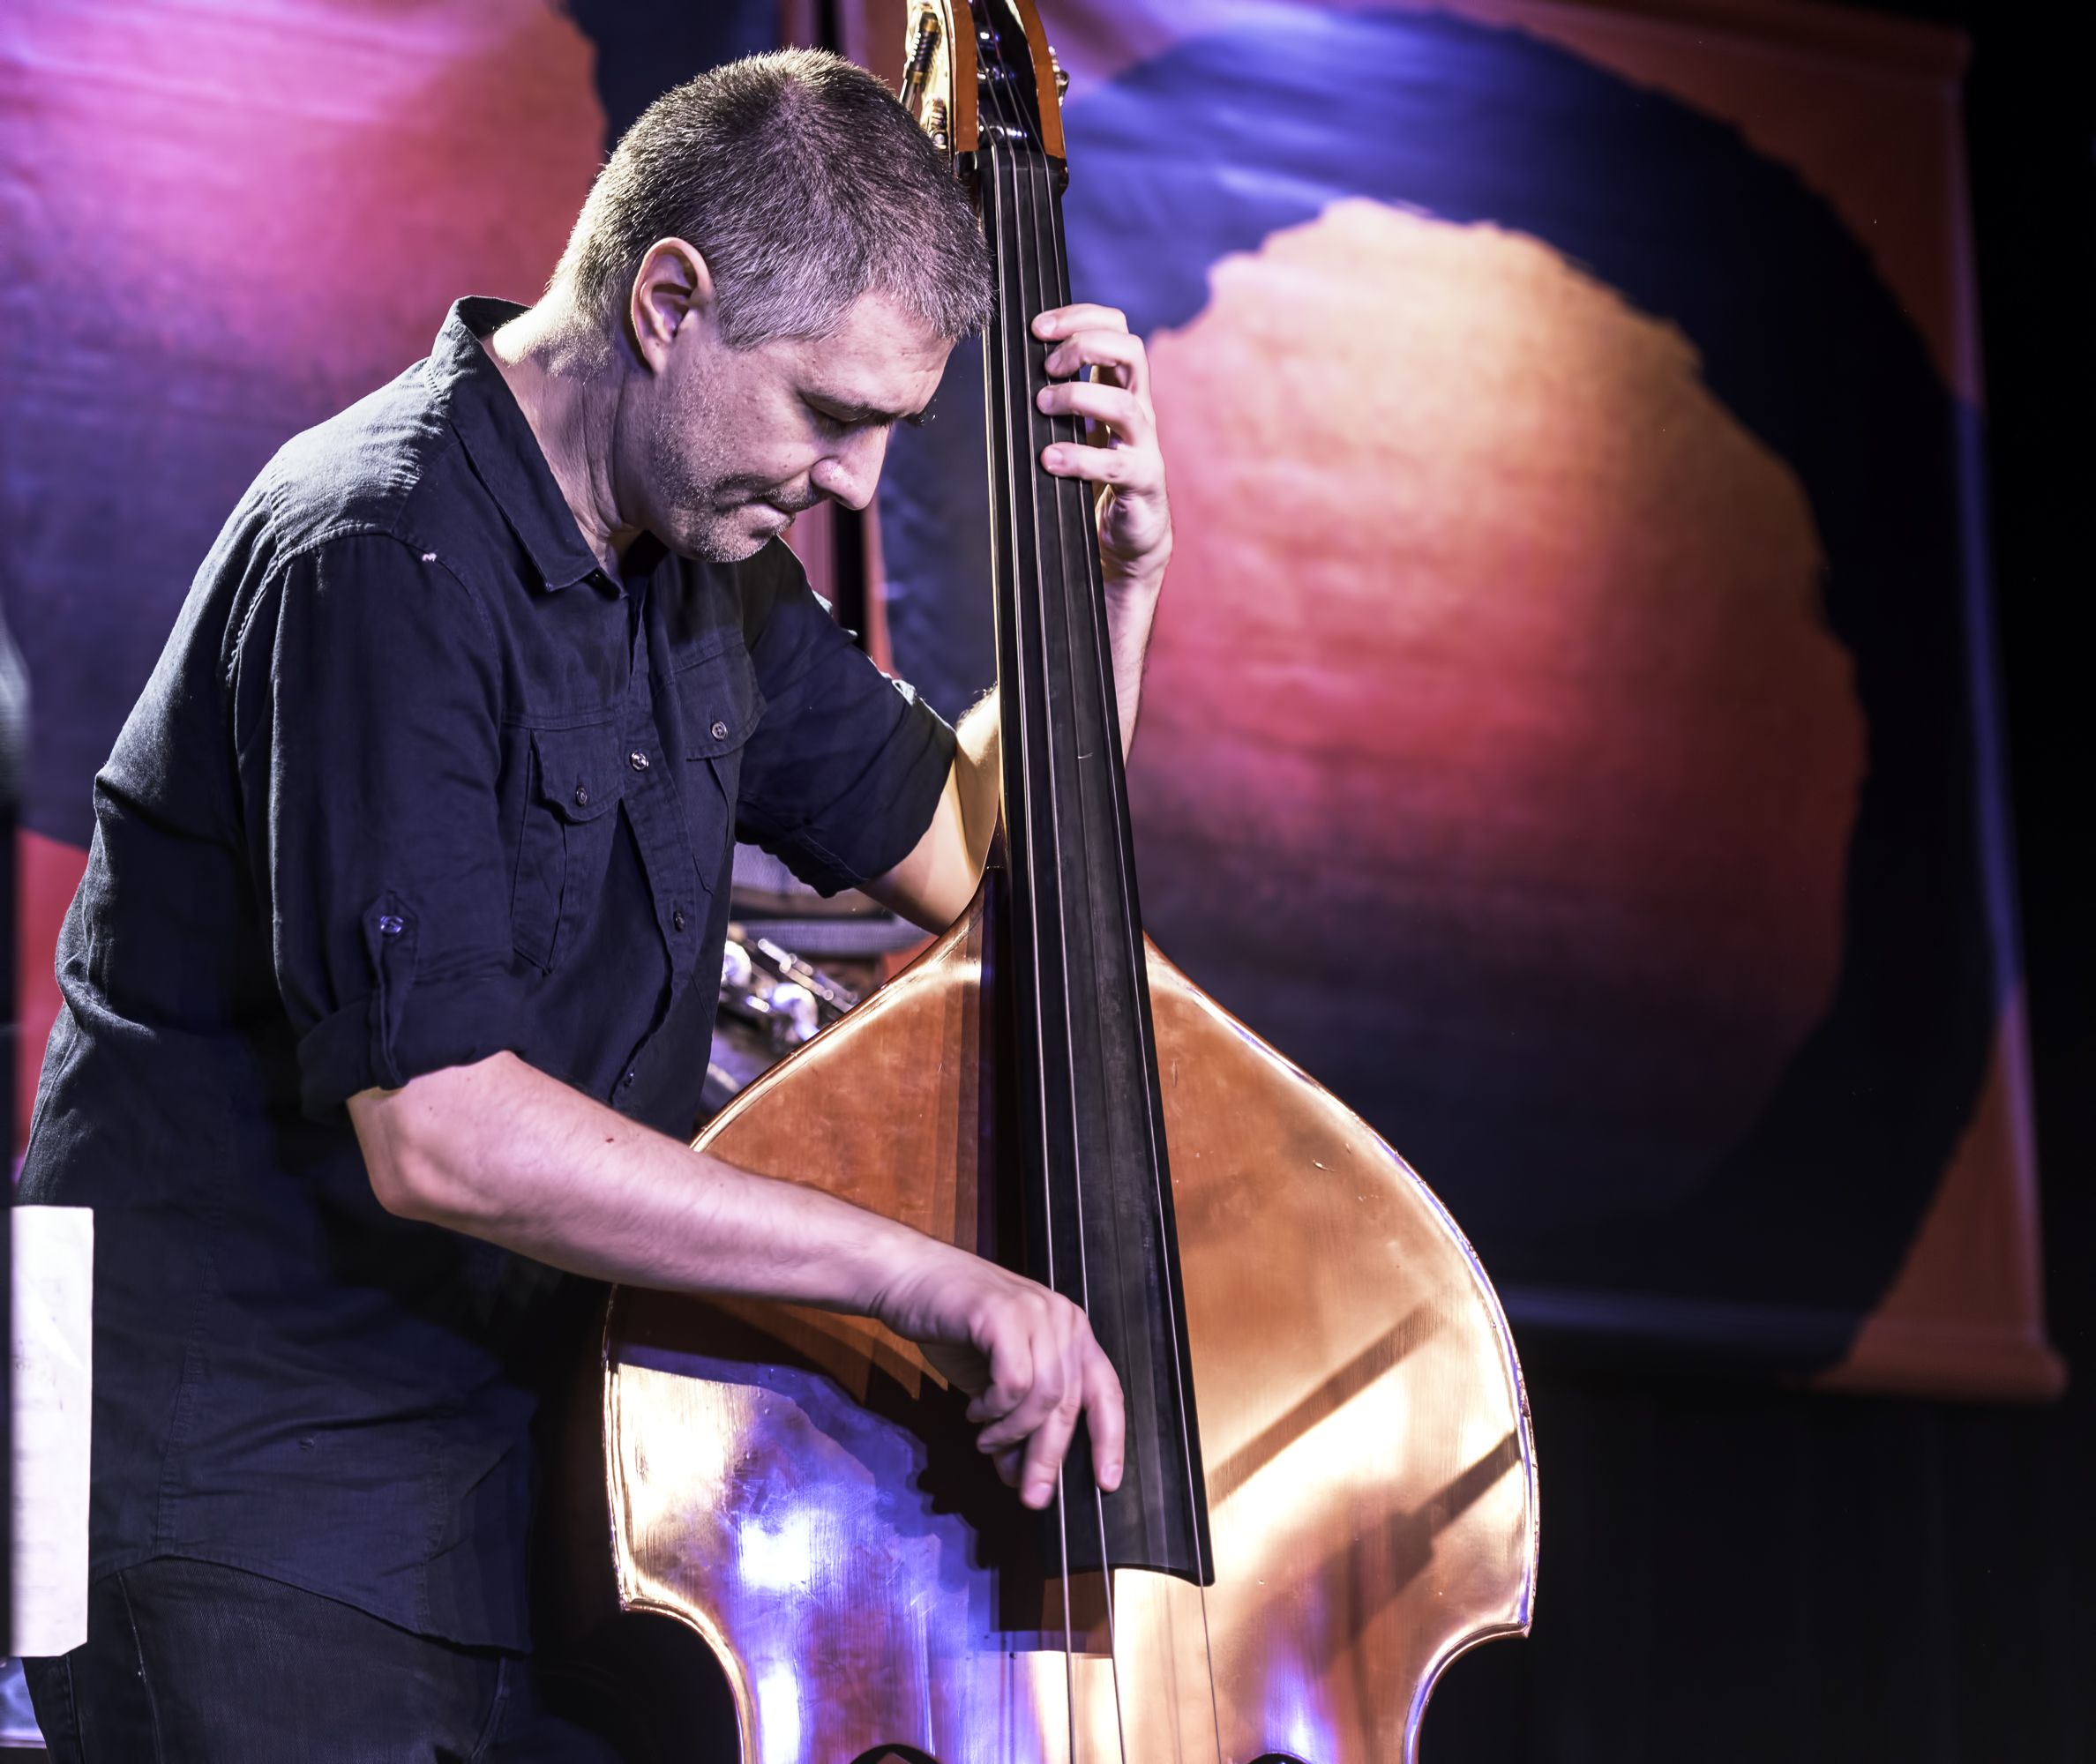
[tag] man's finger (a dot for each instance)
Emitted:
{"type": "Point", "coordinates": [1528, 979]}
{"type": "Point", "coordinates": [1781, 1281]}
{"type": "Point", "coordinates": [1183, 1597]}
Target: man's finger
{"type": "Point", "coordinates": [1105, 1419]}
{"type": "Point", "coordinates": [1029, 1410]}
{"type": "Point", "coordinates": [1130, 470]}
{"type": "Point", "coordinates": [1114, 349]}
{"type": "Point", "coordinates": [1081, 315]}
{"type": "Point", "coordinates": [1101, 401]}
{"type": "Point", "coordinates": [1012, 1365]}
{"type": "Point", "coordinates": [1047, 1412]}
{"type": "Point", "coordinates": [1045, 1449]}
{"type": "Point", "coordinates": [1025, 1360]}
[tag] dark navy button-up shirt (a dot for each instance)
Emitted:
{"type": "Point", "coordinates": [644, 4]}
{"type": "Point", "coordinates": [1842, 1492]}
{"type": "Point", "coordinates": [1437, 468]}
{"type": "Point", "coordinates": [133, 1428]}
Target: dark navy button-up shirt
{"type": "Point", "coordinates": [415, 781]}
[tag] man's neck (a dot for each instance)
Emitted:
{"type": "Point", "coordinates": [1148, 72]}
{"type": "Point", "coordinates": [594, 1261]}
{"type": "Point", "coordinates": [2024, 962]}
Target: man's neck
{"type": "Point", "coordinates": [568, 385]}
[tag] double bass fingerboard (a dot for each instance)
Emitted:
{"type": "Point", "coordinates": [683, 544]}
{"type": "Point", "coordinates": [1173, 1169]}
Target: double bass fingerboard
{"type": "Point", "coordinates": [1089, 1117]}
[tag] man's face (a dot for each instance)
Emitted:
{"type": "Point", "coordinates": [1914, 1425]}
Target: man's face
{"type": "Point", "coordinates": [731, 444]}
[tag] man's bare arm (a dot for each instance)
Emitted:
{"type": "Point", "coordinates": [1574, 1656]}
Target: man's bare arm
{"type": "Point", "coordinates": [932, 887]}
{"type": "Point", "coordinates": [500, 1151]}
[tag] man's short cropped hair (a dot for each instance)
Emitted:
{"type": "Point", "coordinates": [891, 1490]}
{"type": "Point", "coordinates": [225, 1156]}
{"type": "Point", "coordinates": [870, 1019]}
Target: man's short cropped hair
{"type": "Point", "coordinates": [803, 184]}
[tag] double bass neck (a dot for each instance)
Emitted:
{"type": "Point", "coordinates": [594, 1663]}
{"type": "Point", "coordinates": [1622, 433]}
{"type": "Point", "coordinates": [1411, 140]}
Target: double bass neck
{"type": "Point", "coordinates": [1087, 1120]}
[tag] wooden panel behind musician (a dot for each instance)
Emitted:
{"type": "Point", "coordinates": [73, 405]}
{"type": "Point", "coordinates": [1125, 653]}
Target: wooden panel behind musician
{"type": "Point", "coordinates": [391, 981]}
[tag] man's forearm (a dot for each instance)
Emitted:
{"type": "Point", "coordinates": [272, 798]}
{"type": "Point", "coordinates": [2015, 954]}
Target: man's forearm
{"type": "Point", "coordinates": [932, 886]}
{"type": "Point", "coordinates": [1131, 610]}
{"type": "Point", "coordinates": [501, 1151]}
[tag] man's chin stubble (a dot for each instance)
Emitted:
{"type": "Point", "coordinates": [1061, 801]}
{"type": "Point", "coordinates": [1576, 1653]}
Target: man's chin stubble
{"type": "Point", "coordinates": [722, 539]}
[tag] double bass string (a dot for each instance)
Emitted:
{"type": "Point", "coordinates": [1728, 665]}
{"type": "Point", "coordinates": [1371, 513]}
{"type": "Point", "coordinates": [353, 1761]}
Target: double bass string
{"type": "Point", "coordinates": [1070, 497]}
{"type": "Point", "coordinates": [1055, 252]}
{"type": "Point", "coordinates": [1027, 228]}
{"type": "Point", "coordinates": [1033, 276]}
{"type": "Point", "coordinates": [1010, 378]}
{"type": "Point", "coordinates": [1021, 477]}
{"type": "Point", "coordinates": [1025, 422]}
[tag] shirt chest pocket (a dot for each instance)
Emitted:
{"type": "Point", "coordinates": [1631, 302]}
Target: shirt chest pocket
{"type": "Point", "coordinates": [565, 843]}
{"type": "Point", "coordinates": [721, 706]}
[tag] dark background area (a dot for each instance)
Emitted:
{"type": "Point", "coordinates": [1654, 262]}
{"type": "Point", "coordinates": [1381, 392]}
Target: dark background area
{"type": "Point", "coordinates": [1734, 1573]}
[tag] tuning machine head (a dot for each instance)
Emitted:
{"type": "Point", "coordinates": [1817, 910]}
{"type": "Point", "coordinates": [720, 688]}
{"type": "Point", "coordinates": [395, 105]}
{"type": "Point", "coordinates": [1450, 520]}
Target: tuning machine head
{"type": "Point", "coordinates": [953, 49]}
{"type": "Point", "coordinates": [938, 75]}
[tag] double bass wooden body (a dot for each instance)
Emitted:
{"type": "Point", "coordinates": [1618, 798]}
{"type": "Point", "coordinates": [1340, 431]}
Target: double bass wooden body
{"type": "Point", "coordinates": [802, 1489]}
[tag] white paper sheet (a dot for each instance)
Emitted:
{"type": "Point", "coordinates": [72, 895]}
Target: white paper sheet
{"type": "Point", "coordinates": [54, 1316]}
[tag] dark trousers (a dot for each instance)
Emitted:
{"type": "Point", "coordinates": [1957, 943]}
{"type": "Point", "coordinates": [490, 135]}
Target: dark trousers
{"type": "Point", "coordinates": [186, 1662]}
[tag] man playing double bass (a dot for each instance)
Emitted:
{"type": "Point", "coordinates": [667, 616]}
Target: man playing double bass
{"type": "Point", "coordinates": [389, 987]}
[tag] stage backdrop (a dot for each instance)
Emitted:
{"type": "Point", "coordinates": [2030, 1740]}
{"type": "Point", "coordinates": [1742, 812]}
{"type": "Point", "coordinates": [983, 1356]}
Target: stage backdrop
{"type": "Point", "coordinates": [1569, 731]}
{"type": "Point", "coordinates": [1568, 734]}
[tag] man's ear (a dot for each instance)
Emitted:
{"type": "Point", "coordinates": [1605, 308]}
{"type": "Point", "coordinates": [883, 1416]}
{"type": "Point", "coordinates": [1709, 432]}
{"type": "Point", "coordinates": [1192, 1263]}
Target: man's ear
{"type": "Point", "coordinates": [672, 288]}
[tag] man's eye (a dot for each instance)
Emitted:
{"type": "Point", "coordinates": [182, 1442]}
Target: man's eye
{"type": "Point", "coordinates": [833, 422]}
{"type": "Point", "coordinates": [836, 423]}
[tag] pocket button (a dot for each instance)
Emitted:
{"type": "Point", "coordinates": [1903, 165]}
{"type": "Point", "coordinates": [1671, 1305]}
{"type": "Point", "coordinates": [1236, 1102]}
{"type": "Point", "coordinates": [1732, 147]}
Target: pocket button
{"type": "Point", "coordinates": [720, 731]}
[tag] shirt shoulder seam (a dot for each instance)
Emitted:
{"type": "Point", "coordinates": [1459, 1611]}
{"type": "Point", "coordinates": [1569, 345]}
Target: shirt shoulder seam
{"type": "Point", "coordinates": [273, 579]}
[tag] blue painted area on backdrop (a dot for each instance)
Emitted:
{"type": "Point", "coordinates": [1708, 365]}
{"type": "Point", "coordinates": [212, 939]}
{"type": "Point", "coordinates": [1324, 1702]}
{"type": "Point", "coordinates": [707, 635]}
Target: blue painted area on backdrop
{"type": "Point", "coordinates": [1217, 142]}
{"type": "Point", "coordinates": [645, 47]}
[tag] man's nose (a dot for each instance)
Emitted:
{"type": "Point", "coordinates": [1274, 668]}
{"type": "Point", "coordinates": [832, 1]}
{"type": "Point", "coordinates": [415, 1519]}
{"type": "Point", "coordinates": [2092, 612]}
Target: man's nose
{"type": "Point", "coordinates": [849, 473]}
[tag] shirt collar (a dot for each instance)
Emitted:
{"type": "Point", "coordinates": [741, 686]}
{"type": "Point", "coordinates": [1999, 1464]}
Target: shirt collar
{"type": "Point", "coordinates": [504, 452]}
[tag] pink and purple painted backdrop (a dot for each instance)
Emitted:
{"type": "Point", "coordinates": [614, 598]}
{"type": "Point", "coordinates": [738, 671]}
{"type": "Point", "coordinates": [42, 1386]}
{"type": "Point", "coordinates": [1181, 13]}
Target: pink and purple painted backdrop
{"type": "Point", "coordinates": [1568, 730]}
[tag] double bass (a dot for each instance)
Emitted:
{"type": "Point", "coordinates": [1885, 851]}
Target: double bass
{"type": "Point", "coordinates": [1329, 1488]}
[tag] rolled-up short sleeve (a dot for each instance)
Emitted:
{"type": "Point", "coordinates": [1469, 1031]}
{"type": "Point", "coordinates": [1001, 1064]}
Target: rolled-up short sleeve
{"type": "Point", "coordinates": [367, 745]}
{"type": "Point", "coordinates": [847, 767]}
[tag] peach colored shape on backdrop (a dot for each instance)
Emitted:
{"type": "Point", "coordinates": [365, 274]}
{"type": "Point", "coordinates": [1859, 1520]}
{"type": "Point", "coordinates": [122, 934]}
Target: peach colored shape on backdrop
{"type": "Point", "coordinates": [1495, 650]}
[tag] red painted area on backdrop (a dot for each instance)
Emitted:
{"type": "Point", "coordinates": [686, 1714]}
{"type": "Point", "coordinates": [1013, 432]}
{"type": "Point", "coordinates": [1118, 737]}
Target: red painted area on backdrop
{"type": "Point", "coordinates": [47, 872]}
{"type": "Point", "coordinates": [1964, 1317]}
{"type": "Point", "coordinates": [298, 188]}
